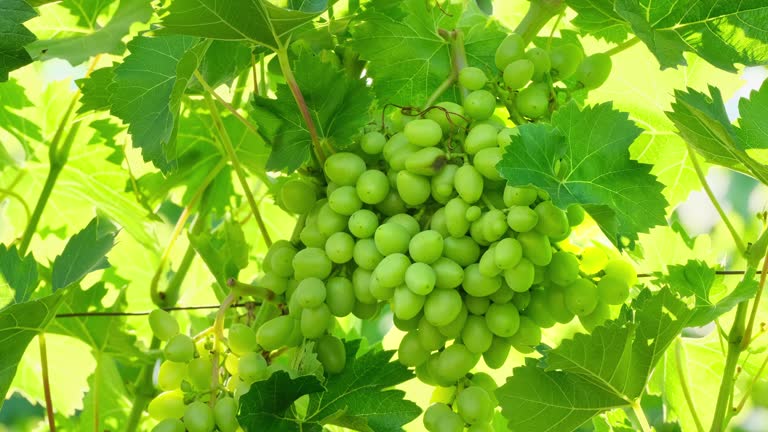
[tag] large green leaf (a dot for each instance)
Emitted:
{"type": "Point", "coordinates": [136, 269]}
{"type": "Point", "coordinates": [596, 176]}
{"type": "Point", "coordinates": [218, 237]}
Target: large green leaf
{"type": "Point", "coordinates": [15, 126]}
{"type": "Point", "coordinates": [19, 324]}
{"type": "Point", "coordinates": [589, 166]}
{"type": "Point", "coordinates": [599, 19]}
{"type": "Point", "coordinates": [257, 21]}
{"type": "Point", "coordinates": [723, 32]}
{"type": "Point", "coordinates": [20, 273]}
{"type": "Point", "coordinates": [84, 253]}
{"type": "Point", "coordinates": [13, 14]}
{"type": "Point", "coordinates": [266, 406]}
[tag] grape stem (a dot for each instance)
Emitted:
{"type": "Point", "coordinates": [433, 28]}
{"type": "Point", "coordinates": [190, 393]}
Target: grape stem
{"type": "Point", "coordinates": [9, 193]}
{"type": "Point", "coordinates": [641, 418]}
{"type": "Point", "coordinates": [622, 46]}
{"type": "Point", "coordinates": [458, 62]}
{"type": "Point", "coordinates": [760, 288]}
{"type": "Point", "coordinates": [144, 392]}
{"type": "Point", "coordinates": [684, 385]}
{"type": "Point", "coordinates": [538, 15]}
{"type": "Point", "coordinates": [218, 336]}
{"type": "Point", "coordinates": [46, 382]}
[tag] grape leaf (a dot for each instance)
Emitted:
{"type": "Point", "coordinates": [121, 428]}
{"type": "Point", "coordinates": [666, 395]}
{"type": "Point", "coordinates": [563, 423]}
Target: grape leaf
{"type": "Point", "coordinates": [598, 18]}
{"type": "Point", "coordinates": [95, 94]}
{"type": "Point", "coordinates": [106, 404]}
{"type": "Point", "coordinates": [223, 61]}
{"type": "Point", "coordinates": [594, 168]}
{"type": "Point", "coordinates": [86, 11]}
{"type": "Point", "coordinates": [147, 89]}
{"type": "Point", "coordinates": [84, 253]}
{"type": "Point", "coordinates": [12, 101]}
{"type": "Point", "coordinates": [224, 250]}
{"type": "Point", "coordinates": [409, 59]}
{"type": "Point", "coordinates": [360, 397]}
{"type": "Point", "coordinates": [104, 334]}
{"type": "Point", "coordinates": [257, 21]}
{"type": "Point", "coordinates": [697, 279]}
{"type": "Point", "coordinates": [266, 406]}
{"type": "Point", "coordinates": [13, 14]}
{"type": "Point", "coordinates": [722, 32]}
{"type": "Point", "coordinates": [19, 324]}
{"type": "Point", "coordinates": [753, 123]}
{"type": "Point", "coordinates": [338, 106]}
{"type": "Point", "coordinates": [20, 273]}
{"type": "Point", "coordinates": [78, 48]}
{"type": "Point", "coordinates": [569, 385]}
{"type": "Point", "coordinates": [703, 123]}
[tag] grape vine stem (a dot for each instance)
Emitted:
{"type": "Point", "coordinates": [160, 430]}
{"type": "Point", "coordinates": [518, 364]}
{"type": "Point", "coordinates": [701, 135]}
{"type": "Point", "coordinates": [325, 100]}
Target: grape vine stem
{"type": "Point", "coordinates": [218, 337]}
{"type": "Point", "coordinates": [622, 46]}
{"type": "Point", "coordinates": [641, 418]}
{"type": "Point", "coordinates": [7, 192]}
{"type": "Point", "coordinates": [684, 386]}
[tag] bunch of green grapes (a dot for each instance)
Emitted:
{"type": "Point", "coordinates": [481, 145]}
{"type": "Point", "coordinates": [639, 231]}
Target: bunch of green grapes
{"type": "Point", "coordinates": [469, 404]}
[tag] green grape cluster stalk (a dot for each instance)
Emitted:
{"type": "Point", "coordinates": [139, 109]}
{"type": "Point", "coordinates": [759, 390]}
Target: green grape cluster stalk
{"type": "Point", "coordinates": [417, 219]}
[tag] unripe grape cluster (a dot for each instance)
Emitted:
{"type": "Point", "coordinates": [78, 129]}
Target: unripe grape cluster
{"type": "Point", "coordinates": [472, 402]}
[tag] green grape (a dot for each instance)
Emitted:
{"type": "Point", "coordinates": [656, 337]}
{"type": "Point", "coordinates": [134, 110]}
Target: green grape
{"type": "Point", "coordinates": [398, 120]}
{"type": "Point", "coordinates": [508, 253]}
{"type": "Point", "coordinates": [476, 335]}
{"type": "Point", "coordinates": [410, 352]}
{"type": "Point", "coordinates": [497, 354]}
{"type": "Point", "coordinates": [298, 196]}
{"type": "Point", "coordinates": [423, 132]}
{"type": "Point", "coordinates": [593, 259]}
{"type": "Point", "coordinates": [565, 60]}
{"type": "Point", "coordinates": [381, 292]}
{"type": "Point", "coordinates": [225, 414]}
{"type": "Point", "coordinates": [167, 405]}
{"type": "Point", "coordinates": [581, 297]}
{"type": "Point", "coordinates": [522, 218]}
{"type": "Point", "coordinates": [575, 214]}
{"type": "Point", "coordinates": [444, 395]}
{"type": "Point", "coordinates": [314, 321]}
{"type": "Point", "coordinates": [487, 264]}
{"type": "Point", "coordinates": [474, 405]}
{"type": "Point", "coordinates": [463, 250]}
{"type": "Point", "coordinates": [365, 311]}
{"type": "Point", "coordinates": [344, 200]}
{"type": "Point", "coordinates": [622, 270]}
{"type": "Point", "coordinates": [598, 317]}
{"type": "Point", "coordinates": [509, 50]}
{"type": "Point", "coordinates": [344, 168]}
{"type": "Point", "coordinates": [414, 189]}
{"type": "Point", "coordinates": [456, 217]}
{"type": "Point", "coordinates": [555, 299]}
{"type": "Point", "coordinates": [169, 425]}
{"type": "Point", "coordinates": [518, 73]}
{"type": "Point", "coordinates": [553, 222]}
{"type": "Point", "coordinates": [312, 237]}
{"type": "Point", "coordinates": [536, 247]}
{"type": "Point", "coordinates": [442, 307]}
{"type": "Point", "coordinates": [533, 101]}
{"type": "Point", "coordinates": [329, 222]}
{"type": "Point", "coordinates": [468, 182]}
{"type": "Point", "coordinates": [199, 372]}
{"type": "Point", "coordinates": [527, 338]}
{"type": "Point", "coordinates": [339, 247]}
{"type": "Point", "coordinates": [472, 78]}
{"type": "Point", "coordinates": [340, 296]}
{"type": "Point", "coordinates": [481, 427]}
{"type": "Point", "coordinates": [480, 104]}
{"type": "Point", "coordinates": [594, 70]}
{"type": "Point", "coordinates": [541, 63]}
{"type": "Point", "coordinates": [424, 371]}
{"type": "Point", "coordinates": [252, 367]}
{"type": "Point", "coordinates": [426, 162]}
{"type": "Point", "coordinates": [363, 223]}
{"type": "Point", "coordinates": [449, 117]}
{"type": "Point", "coordinates": [503, 295]}
{"type": "Point", "coordinates": [485, 162]}
{"type": "Point", "coordinates": [361, 284]}
{"type": "Point", "coordinates": [163, 325]}
{"type": "Point", "coordinates": [366, 255]}
{"type": "Point", "coordinates": [612, 289]}
{"type": "Point", "coordinates": [520, 277]}
{"type": "Point", "coordinates": [397, 149]}
{"type": "Point", "coordinates": [420, 278]}
{"type": "Point", "coordinates": [392, 269]}
{"type": "Point", "coordinates": [281, 261]}
{"type": "Point", "coordinates": [406, 221]}
{"type": "Point", "coordinates": [452, 330]}
{"type": "Point", "coordinates": [311, 262]}
{"type": "Point", "coordinates": [273, 333]}
{"type": "Point", "coordinates": [442, 184]}
{"type": "Point", "coordinates": [429, 335]}
{"type": "Point", "coordinates": [231, 363]}
{"type": "Point", "coordinates": [454, 363]}
{"type": "Point", "coordinates": [406, 304]}
{"type": "Point", "coordinates": [487, 383]}
{"type": "Point", "coordinates": [426, 246]}
{"type": "Point", "coordinates": [437, 222]}
{"type": "Point", "coordinates": [477, 305]}
{"type": "Point", "coordinates": [310, 293]}
{"type": "Point", "coordinates": [408, 325]}
{"type": "Point", "coordinates": [538, 309]}
{"type": "Point", "coordinates": [478, 285]}
{"type": "Point", "coordinates": [434, 414]}
{"type": "Point", "coordinates": [391, 238]}
{"type": "Point", "coordinates": [179, 348]}
{"type": "Point", "coordinates": [170, 375]}
{"type": "Point", "coordinates": [198, 417]}
{"type": "Point", "coordinates": [372, 187]}
{"type": "Point", "coordinates": [332, 354]}
{"type": "Point", "coordinates": [473, 213]}
{"type": "Point", "coordinates": [448, 274]}
{"type": "Point", "coordinates": [372, 143]}
{"type": "Point", "coordinates": [564, 268]}
{"type": "Point", "coordinates": [480, 137]}
{"type": "Point", "coordinates": [503, 319]}
{"type": "Point", "coordinates": [494, 226]}
{"type": "Point", "coordinates": [519, 196]}
{"type": "Point", "coordinates": [521, 300]}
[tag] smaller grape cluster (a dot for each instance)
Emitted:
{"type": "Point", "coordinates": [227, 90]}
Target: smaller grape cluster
{"type": "Point", "coordinates": [472, 402]}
